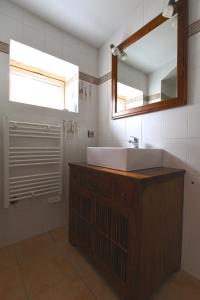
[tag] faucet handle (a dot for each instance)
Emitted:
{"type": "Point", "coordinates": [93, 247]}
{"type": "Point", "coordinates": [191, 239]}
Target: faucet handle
{"type": "Point", "coordinates": [134, 138]}
{"type": "Point", "coordinates": [134, 141]}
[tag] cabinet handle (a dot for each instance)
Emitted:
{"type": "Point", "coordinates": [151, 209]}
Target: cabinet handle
{"type": "Point", "coordinates": [123, 196]}
{"type": "Point", "coordinates": [93, 185]}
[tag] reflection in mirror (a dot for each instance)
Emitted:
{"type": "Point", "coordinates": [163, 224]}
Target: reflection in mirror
{"type": "Point", "coordinates": [148, 74]}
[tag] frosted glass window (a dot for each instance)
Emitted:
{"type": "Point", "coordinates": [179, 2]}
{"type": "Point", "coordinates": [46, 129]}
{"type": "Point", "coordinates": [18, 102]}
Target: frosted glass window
{"type": "Point", "coordinates": [27, 87]}
{"type": "Point", "coordinates": [41, 79]}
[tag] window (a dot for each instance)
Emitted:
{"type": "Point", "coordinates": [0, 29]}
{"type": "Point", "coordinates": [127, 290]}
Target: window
{"type": "Point", "coordinates": [128, 97]}
{"type": "Point", "coordinates": [40, 79]}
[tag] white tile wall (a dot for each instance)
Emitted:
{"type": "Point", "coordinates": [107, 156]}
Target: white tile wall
{"type": "Point", "coordinates": [34, 37]}
{"type": "Point", "coordinates": [193, 85]}
{"type": "Point", "coordinates": [193, 156]}
{"type": "Point", "coordinates": [193, 121]}
{"type": "Point", "coordinates": [152, 126]}
{"type": "Point", "coordinates": [32, 217]}
{"type": "Point", "coordinates": [11, 30]}
{"type": "Point", "coordinates": [175, 154]}
{"type": "Point", "coordinates": [133, 127]}
{"type": "Point", "coordinates": [193, 49]}
{"type": "Point", "coordinates": [176, 130]}
{"type": "Point", "coordinates": [194, 10]}
{"type": "Point", "coordinates": [175, 123]}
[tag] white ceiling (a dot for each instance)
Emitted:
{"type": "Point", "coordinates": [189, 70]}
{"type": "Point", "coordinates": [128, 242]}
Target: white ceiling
{"type": "Point", "coordinates": [92, 21]}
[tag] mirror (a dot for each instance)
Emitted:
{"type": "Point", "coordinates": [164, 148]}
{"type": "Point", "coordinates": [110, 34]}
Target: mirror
{"type": "Point", "coordinates": [150, 73]}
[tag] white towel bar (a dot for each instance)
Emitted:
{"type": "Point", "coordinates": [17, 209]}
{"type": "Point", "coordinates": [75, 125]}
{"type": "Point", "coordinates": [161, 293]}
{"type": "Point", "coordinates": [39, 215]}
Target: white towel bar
{"type": "Point", "coordinates": [16, 123]}
{"type": "Point", "coordinates": [34, 156]}
{"type": "Point", "coordinates": [35, 148]}
{"type": "Point", "coordinates": [35, 136]}
{"type": "Point", "coordinates": [16, 131]}
{"type": "Point", "coordinates": [34, 175]}
{"type": "Point", "coordinates": [38, 194]}
{"type": "Point", "coordinates": [15, 195]}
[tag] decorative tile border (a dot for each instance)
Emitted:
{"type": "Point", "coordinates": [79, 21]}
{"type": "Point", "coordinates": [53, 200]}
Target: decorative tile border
{"type": "Point", "coordinates": [95, 80]}
{"type": "Point", "coordinates": [105, 78]}
{"type": "Point", "coordinates": [194, 28]}
{"type": "Point", "coordinates": [88, 78]}
{"type": "Point", "coordinates": [4, 48]}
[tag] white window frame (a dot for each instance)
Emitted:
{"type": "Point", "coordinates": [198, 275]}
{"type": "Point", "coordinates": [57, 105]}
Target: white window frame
{"type": "Point", "coordinates": [41, 74]}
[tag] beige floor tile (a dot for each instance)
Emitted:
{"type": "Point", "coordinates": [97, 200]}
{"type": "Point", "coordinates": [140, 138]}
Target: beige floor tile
{"type": "Point", "coordinates": [50, 268]}
{"type": "Point", "coordinates": [59, 234]}
{"type": "Point", "coordinates": [35, 246]}
{"type": "Point", "coordinates": [75, 256]}
{"type": "Point", "coordinates": [7, 257]}
{"type": "Point", "coordinates": [97, 284]}
{"type": "Point", "coordinates": [11, 285]}
{"type": "Point", "coordinates": [68, 290]}
{"type": "Point", "coordinates": [181, 286]}
{"type": "Point", "coordinates": [42, 272]}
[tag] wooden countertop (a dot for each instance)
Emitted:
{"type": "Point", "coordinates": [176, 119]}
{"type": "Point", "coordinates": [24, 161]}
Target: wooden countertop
{"type": "Point", "coordinates": [140, 175]}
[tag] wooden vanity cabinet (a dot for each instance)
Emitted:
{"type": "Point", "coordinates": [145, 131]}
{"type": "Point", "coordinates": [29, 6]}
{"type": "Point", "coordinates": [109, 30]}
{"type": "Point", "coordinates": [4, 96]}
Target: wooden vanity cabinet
{"type": "Point", "coordinates": [129, 224]}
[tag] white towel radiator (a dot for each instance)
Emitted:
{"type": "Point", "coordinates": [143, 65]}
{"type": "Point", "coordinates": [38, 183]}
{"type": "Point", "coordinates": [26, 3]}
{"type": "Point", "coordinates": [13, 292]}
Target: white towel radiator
{"type": "Point", "coordinates": [33, 160]}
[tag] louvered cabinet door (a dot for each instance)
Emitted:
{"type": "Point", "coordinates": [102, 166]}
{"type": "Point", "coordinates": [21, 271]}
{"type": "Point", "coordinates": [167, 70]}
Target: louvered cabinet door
{"type": "Point", "coordinates": [111, 240]}
{"type": "Point", "coordinates": [81, 220]}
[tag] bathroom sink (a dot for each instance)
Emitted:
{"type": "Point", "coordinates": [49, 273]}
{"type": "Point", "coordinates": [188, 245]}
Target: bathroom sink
{"type": "Point", "coordinates": [125, 159]}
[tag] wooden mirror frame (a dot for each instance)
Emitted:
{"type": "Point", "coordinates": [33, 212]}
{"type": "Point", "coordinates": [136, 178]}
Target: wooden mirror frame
{"type": "Point", "coordinates": [182, 64]}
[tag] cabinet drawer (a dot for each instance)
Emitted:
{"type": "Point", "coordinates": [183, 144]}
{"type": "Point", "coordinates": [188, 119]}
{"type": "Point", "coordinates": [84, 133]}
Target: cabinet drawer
{"type": "Point", "coordinates": [97, 183]}
{"type": "Point", "coordinates": [74, 177]}
{"type": "Point", "coordinates": [123, 193]}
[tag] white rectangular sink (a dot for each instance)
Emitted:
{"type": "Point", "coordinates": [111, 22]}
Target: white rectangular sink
{"type": "Point", "coordinates": [125, 159]}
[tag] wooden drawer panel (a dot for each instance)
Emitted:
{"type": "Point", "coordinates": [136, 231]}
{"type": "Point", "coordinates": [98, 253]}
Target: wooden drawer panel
{"type": "Point", "coordinates": [74, 177]}
{"type": "Point", "coordinates": [97, 183]}
{"type": "Point", "coordinates": [124, 193]}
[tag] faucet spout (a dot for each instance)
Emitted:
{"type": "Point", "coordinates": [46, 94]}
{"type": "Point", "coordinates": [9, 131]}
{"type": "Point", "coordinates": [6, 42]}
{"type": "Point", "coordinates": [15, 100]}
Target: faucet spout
{"type": "Point", "coordinates": [134, 141]}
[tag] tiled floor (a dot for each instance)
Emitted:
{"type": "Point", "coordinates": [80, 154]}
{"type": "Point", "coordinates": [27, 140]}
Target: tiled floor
{"type": "Point", "coordinates": [46, 267]}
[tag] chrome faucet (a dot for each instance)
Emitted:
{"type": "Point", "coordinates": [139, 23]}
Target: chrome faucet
{"type": "Point", "coordinates": [134, 141]}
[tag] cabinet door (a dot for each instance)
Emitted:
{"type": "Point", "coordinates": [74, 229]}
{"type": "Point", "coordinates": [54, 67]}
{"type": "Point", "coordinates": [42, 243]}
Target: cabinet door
{"type": "Point", "coordinates": [111, 240]}
{"type": "Point", "coordinates": [81, 208]}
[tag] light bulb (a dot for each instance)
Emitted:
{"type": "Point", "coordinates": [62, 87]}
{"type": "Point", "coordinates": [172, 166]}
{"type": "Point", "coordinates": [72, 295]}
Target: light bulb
{"type": "Point", "coordinates": [115, 51]}
{"type": "Point", "coordinates": [123, 55]}
{"type": "Point", "coordinates": [168, 11]}
{"type": "Point", "coordinates": [174, 21]}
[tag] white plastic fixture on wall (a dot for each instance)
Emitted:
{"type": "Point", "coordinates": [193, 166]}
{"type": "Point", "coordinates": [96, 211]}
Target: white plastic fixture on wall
{"type": "Point", "coordinates": [33, 158]}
